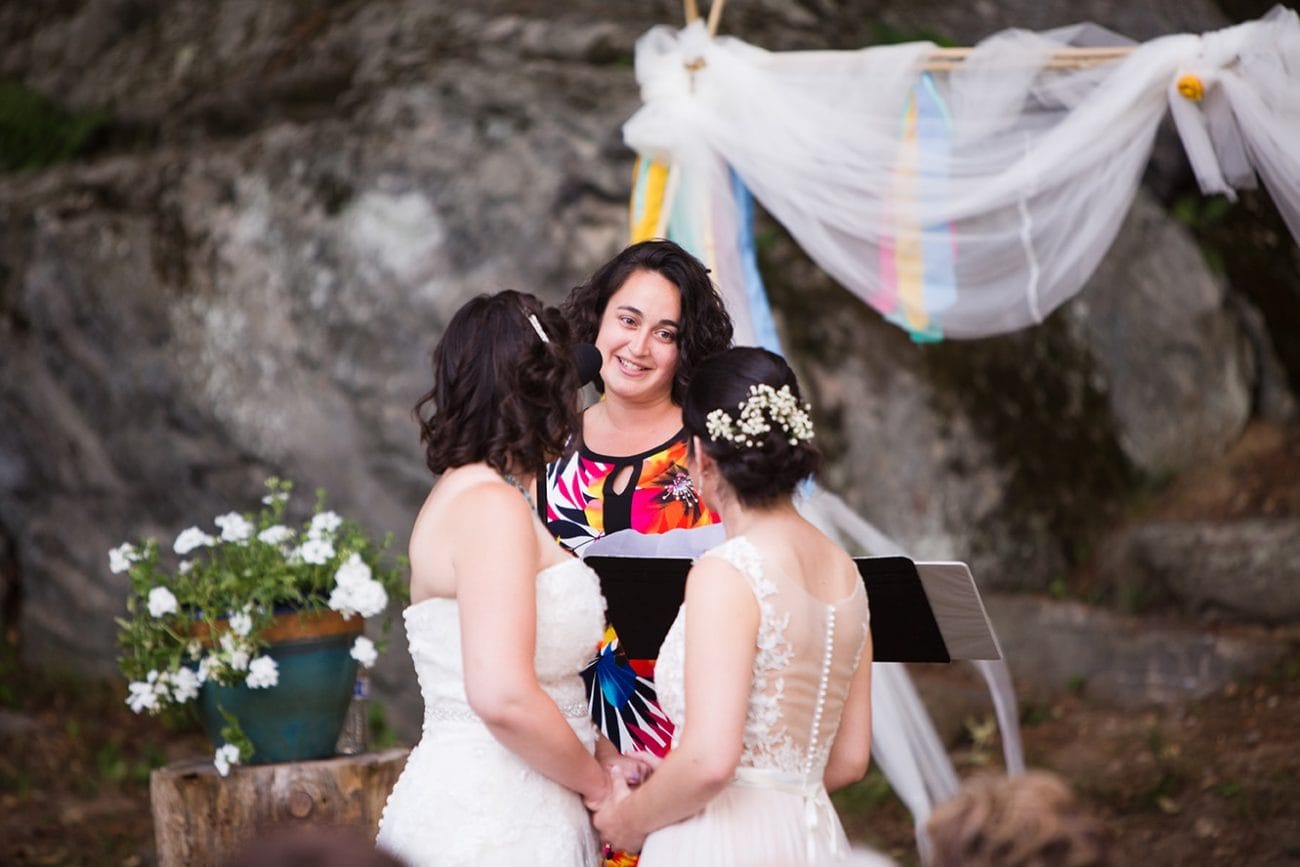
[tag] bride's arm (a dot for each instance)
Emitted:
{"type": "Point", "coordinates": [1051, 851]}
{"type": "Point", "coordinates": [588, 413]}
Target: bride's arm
{"type": "Point", "coordinates": [721, 627]}
{"type": "Point", "coordinates": [496, 560]}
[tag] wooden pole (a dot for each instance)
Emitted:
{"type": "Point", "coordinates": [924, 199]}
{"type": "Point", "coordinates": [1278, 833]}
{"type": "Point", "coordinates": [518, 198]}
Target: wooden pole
{"type": "Point", "coordinates": [948, 59]}
{"type": "Point", "coordinates": [692, 11]}
{"type": "Point", "coordinates": [715, 15]}
{"type": "Point", "coordinates": [201, 819]}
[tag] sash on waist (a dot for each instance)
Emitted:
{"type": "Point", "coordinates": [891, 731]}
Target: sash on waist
{"type": "Point", "coordinates": [455, 711]}
{"type": "Point", "coordinates": [818, 812]}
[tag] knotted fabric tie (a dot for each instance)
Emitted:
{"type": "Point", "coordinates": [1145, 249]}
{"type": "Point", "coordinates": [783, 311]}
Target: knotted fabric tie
{"type": "Point", "coordinates": [1202, 112]}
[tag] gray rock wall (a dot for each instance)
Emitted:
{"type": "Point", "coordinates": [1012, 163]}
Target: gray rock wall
{"type": "Point", "coordinates": [246, 276]}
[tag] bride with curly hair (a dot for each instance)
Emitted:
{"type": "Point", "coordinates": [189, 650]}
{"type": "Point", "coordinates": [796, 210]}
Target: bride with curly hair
{"type": "Point", "coordinates": [501, 619]}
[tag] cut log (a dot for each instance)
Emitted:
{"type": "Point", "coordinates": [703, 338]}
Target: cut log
{"type": "Point", "coordinates": [201, 818]}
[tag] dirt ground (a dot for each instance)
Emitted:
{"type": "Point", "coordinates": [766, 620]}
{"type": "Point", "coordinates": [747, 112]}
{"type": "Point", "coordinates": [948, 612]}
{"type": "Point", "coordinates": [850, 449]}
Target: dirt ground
{"type": "Point", "coordinates": [1216, 781]}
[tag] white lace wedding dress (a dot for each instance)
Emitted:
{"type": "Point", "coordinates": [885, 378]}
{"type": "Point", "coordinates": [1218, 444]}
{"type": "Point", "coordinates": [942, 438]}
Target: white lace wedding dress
{"type": "Point", "coordinates": [463, 798]}
{"type": "Point", "coordinates": [776, 810]}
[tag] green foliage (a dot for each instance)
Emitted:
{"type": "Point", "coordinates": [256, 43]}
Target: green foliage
{"type": "Point", "coordinates": [36, 132]}
{"type": "Point", "coordinates": [382, 734]}
{"type": "Point", "coordinates": [1172, 779]}
{"type": "Point", "coordinates": [869, 794]}
{"type": "Point", "coordinates": [1288, 669]}
{"type": "Point", "coordinates": [881, 33]}
{"type": "Point", "coordinates": [1138, 597]}
{"type": "Point", "coordinates": [1034, 713]}
{"type": "Point", "coordinates": [1198, 212]}
{"type": "Point", "coordinates": [232, 733]}
{"type": "Point", "coordinates": [19, 783]}
{"type": "Point", "coordinates": [1227, 790]}
{"type": "Point", "coordinates": [110, 763]}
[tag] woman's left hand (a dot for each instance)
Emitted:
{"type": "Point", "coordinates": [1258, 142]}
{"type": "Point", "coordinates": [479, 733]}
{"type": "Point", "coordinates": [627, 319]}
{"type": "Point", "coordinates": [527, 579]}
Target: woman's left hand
{"type": "Point", "coordinates": [635, 768]}
{"type": "Point", "coordinates": [610, 823]}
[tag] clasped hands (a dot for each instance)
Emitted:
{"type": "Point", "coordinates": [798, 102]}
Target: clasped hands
{"type": "Point", "coordinates": [625, 774]}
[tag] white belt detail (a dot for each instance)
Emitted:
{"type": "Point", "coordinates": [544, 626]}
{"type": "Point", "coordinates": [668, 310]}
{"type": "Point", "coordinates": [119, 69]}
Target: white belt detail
{"type": "Point", "coordinates": [818, 812]}
{"type": "Point", "coordinates": [456, 712]}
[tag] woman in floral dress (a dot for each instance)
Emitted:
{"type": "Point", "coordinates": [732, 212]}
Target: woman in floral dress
{"type": "Point", "coordinates": [654, 315]}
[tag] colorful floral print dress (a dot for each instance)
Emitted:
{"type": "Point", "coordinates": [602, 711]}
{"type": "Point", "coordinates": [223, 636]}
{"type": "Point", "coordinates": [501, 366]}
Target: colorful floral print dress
{"type": "Point", "coordinates": [580, 502]}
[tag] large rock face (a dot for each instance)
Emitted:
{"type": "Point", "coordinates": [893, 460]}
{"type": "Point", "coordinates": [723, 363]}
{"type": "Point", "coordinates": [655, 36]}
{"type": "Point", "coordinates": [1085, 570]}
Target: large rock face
{"type": "Point", "coordinates": [292, 198]}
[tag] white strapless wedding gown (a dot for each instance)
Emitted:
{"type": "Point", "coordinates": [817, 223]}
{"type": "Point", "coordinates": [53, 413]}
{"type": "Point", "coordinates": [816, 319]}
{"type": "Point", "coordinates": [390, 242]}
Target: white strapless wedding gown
{"type": "Point", "coordinates": [463, 798]}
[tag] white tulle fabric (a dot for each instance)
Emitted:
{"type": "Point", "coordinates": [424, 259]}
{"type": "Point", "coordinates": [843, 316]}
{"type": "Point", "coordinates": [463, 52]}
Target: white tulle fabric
{"type": "Point", "coordinates": [904, 743]}
{"type": "Point", "coordinates": [776, 810]}
{"type": "Point", "coordinates": [1027, 177]}
{"type": "Point", "coordinates": [463, 798]}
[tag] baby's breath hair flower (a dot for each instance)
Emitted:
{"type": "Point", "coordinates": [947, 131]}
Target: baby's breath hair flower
{"type": "Point", "coordinates": [765, 407]}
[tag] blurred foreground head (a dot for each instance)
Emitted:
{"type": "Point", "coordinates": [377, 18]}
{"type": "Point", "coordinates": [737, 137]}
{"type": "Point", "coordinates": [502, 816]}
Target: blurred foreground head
{"type": "Point", "coordinates": [301, 846]}
{"type": "Point", "coordinates": [1030, 820]}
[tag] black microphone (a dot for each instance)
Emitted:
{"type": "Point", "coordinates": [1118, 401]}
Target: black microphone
{"type": "Point", "coordinates": [588, 360]}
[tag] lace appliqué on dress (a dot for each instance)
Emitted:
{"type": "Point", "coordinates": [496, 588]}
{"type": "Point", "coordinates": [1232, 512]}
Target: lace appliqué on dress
{"type": "Point", "coordinates": [768, 743]}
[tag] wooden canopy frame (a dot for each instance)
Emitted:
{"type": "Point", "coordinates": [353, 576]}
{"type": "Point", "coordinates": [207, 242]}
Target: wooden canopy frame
{"type": "Point", "coordinates": [948, 59]}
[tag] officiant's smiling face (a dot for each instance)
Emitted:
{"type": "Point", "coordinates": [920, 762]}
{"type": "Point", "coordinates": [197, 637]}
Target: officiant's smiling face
{"type": "Point", "coordinates": [638, 338]}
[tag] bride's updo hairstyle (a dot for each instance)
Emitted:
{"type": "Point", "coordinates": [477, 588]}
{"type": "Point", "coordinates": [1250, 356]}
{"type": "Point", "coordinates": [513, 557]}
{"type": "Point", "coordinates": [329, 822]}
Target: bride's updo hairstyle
{"type": "Point", "coordinates": [744, 405]}
{"type": "Point", "coordinates": [501, 392]}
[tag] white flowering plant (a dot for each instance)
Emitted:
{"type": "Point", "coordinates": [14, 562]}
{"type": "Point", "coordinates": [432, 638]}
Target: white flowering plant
{"type": "Point", "coordinates": [203, 618]}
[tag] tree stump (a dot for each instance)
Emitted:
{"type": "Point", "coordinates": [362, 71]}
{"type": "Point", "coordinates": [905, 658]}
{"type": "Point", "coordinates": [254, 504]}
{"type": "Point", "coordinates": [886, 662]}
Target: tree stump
{"type": "Point", "coordinates": [201, 818]}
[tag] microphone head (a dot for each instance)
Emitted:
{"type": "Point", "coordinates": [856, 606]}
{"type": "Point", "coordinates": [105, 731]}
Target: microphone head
{"type": "Point", "coordinates": [588, 360]}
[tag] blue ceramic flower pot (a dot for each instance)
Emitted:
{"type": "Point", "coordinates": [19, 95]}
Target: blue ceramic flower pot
{"type": "Point", "coordinates": [300, 717]}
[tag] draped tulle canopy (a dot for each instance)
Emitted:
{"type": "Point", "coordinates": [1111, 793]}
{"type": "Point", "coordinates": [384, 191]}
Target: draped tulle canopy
{"type": "Point", "coordinates": [963, 202]}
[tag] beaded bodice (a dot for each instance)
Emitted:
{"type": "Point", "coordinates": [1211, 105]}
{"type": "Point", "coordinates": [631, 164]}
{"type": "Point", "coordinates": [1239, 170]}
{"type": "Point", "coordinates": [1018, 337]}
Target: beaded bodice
{"type": "Point", "coordinates": [805, 656]}
{"type": "Point", "coordinates": [570, 620]}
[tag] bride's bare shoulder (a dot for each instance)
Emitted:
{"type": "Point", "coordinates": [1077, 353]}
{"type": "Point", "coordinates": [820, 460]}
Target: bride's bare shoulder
{"type": "Point", "coordinates": [467, 496]}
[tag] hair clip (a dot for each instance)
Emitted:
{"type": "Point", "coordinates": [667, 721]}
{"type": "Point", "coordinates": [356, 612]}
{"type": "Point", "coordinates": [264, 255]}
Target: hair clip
{"type": "Point", "coordinates": [537, 326]}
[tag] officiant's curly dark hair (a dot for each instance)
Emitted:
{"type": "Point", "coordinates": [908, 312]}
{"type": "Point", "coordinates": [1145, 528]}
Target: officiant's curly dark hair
{"type": "Point", "coordinates": [500, 393]}
{"type": "Point", "coordinates": [704, 329]}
